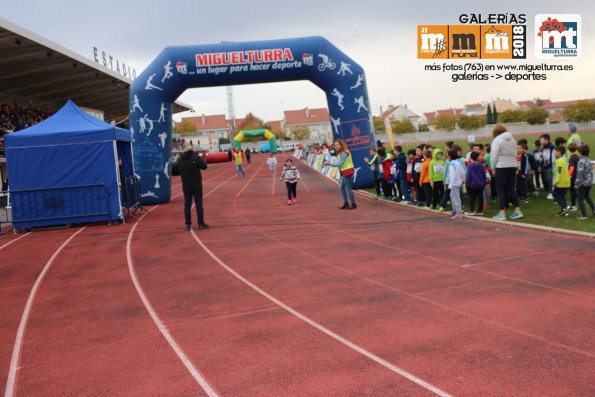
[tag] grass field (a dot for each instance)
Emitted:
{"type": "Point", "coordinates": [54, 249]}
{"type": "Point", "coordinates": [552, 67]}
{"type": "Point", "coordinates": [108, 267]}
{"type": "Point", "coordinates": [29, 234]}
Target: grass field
{"type": "Point", "coordinates": [539, 211]}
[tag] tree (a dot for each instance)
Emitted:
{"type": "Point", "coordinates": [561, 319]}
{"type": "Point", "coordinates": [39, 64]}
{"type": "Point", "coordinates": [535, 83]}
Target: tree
{"type": "Point", "coordinates": [280, 133]}
{"type": "Point", "coordinates": [494, 114]}
{"type": "Point", "coordinates": [580, 111]}
{"type": "Point", "coordinates": [251, 122]}
{"type": "Point", "coordinates": [535, 116]}
{"type": "Point", "coordinates": [447, 123]}
{"type": "Point", "coordinates": [223, 141]}
{"type": "Point", "coordinates": [185, 127]}
{"type": "Point", "coordinates": [300, 132]}
{"type": "Point", "coordinates": [471, 122]}
{"type": "Point", "coordinates": [489, 116]}
{"type": "Point", "coordinates": [402, 126]}
{"type": "Point", "coordinates": [422, 127]}
{"type": "Point", "coordinates": [379, 126]}
{"type": "Point", "coordinates": [512, 116]}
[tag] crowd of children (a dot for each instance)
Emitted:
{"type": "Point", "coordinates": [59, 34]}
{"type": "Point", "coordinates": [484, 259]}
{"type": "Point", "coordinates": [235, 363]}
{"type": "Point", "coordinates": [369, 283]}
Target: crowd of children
{"type": "Point", "coordinates": [428, 177]}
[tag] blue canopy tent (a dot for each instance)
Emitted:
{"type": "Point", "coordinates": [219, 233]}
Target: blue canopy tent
{"type": "Point", "coordinates": [64, 170]}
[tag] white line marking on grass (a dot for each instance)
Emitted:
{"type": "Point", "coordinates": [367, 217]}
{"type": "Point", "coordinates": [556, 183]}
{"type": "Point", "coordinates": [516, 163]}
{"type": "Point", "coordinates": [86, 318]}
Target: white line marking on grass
{"type": "Point", "coordinates": [16, 352]}
{"type": "Point", "coordinates": [321, 328]}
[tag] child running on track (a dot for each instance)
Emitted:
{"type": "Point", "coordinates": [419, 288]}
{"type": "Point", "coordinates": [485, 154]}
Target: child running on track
{"type": "Point", "coordinates": [291, 175]}
{"type": "Point", "coordinates": [272, 164]}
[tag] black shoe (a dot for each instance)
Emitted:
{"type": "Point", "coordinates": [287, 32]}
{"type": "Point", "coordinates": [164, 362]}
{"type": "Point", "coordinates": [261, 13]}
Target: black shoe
{"type": "Point", "coordinates": [344, 206]}
{"type": "Point", "coordinates": [203, 226]}
{"type": "Point", "coordinates": [188, 227]}
{"type": "Point", "coordinates": [353, 206]}
{"type": "Point", "coordinates": [564, 211]}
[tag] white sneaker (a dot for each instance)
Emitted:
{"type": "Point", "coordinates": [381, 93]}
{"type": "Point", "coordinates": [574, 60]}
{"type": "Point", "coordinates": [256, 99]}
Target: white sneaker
{"type": "Point", "coordinates": [550, 197]}
{"type": "Point", "coordinates": [469, 214]}
{"type": "Point", "coordinates": [572, 208]}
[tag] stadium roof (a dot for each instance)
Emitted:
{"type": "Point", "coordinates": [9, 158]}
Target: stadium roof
{"type": "Point", "coordinates": [38, 72]}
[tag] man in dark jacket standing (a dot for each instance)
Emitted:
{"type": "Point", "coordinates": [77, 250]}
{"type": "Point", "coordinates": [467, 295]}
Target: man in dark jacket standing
{"type": "Point", "coordinates": [190, 166]}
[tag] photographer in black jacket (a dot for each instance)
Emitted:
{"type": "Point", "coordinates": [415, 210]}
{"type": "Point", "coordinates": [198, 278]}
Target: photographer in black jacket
{"type": "Point", "coordinates": [190, 166]}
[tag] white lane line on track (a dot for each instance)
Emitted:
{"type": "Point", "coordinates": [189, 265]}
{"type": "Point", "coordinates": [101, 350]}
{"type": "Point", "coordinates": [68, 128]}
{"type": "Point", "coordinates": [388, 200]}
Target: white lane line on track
{"type": "Point", "coordinates": [304, 183]}
{"type": "Point", "coordinates": [250, 180]}
{"type": "Point", "coordinates": [16, 352]}
{"type": "Point", "coordinates": [14, 240]}
{"type": "Point", "coordinates": [321, 328]}
{"type": "Point", "coordinates": [501, 259]}
{"type": "Point", "coordinates": [162, 328]}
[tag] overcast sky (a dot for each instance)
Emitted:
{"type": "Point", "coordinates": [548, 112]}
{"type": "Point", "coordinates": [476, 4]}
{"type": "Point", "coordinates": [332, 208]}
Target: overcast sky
{"type": "Point", "coordinates": [379, 35]}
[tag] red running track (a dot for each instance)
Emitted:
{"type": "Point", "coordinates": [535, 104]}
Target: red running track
{"type": "Point", "coordinates": [296, 300]}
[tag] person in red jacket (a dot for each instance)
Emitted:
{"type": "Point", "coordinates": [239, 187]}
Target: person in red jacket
{"type": "Point", "coordinates": [387, 162]}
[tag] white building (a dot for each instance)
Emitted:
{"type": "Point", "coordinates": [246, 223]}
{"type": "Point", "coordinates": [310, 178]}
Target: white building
{"type": "Point", "coordinates": [317, 120]}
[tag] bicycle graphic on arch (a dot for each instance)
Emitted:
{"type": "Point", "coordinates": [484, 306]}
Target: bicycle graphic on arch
{"type": "Point", "coordinates": [326, 63]}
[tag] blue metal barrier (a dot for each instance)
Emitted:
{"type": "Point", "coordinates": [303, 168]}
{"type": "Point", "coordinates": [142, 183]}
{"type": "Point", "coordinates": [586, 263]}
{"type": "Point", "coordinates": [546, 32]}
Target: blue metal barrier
{"type": "Point", "coordinates": [66, 203]}
{"type": "Point", "coordinates": [5, 212]}
{"type": "Point", "coordinates": [131, 197]}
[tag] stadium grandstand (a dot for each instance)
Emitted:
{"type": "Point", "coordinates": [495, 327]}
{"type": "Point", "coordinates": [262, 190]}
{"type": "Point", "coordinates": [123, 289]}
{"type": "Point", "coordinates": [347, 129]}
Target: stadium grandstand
{"type": "Point", "coordinates": [39, 76]}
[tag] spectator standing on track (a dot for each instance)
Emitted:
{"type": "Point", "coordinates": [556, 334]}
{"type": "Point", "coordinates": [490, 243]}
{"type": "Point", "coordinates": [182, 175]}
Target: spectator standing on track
{"type": "Point", "coordinates": [291, 175]}
{"type": "Point", "coordinates": [248, 154]}
{"type": "Point", "coordinates": [504, 161]}
{"type": "Point", "coordinates": [347, 169]}
{"type": "Point", "coordinates": [584, 180]}
{"type": "Point", "coordinates": [562, 181]}
{"type": "Point", "coordinates": [239, 163]}
{"type": "Point", "coordinates": [190, 166]}
{"type": "Point", "coordinates": [476, 181]}
{"type": "Point", "coordinates": [272, 164]}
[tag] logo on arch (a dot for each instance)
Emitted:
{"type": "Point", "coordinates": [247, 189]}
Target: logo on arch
{"type": "Point", "coordinates": [308, 59]}
{"type": "Point", "coordinates": [182, 67]}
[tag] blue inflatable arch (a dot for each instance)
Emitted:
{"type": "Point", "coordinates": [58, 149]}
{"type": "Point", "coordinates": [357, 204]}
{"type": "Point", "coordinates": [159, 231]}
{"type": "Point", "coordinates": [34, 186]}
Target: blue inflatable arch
{"type": "Point", "coordinates": [178, 68]}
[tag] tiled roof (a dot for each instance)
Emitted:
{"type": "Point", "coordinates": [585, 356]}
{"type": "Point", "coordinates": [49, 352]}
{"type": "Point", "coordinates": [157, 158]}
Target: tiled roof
{"type": "Point", "coordinates": [306, 116]}
{"type": "Point", "coordinates": [208, 123]}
